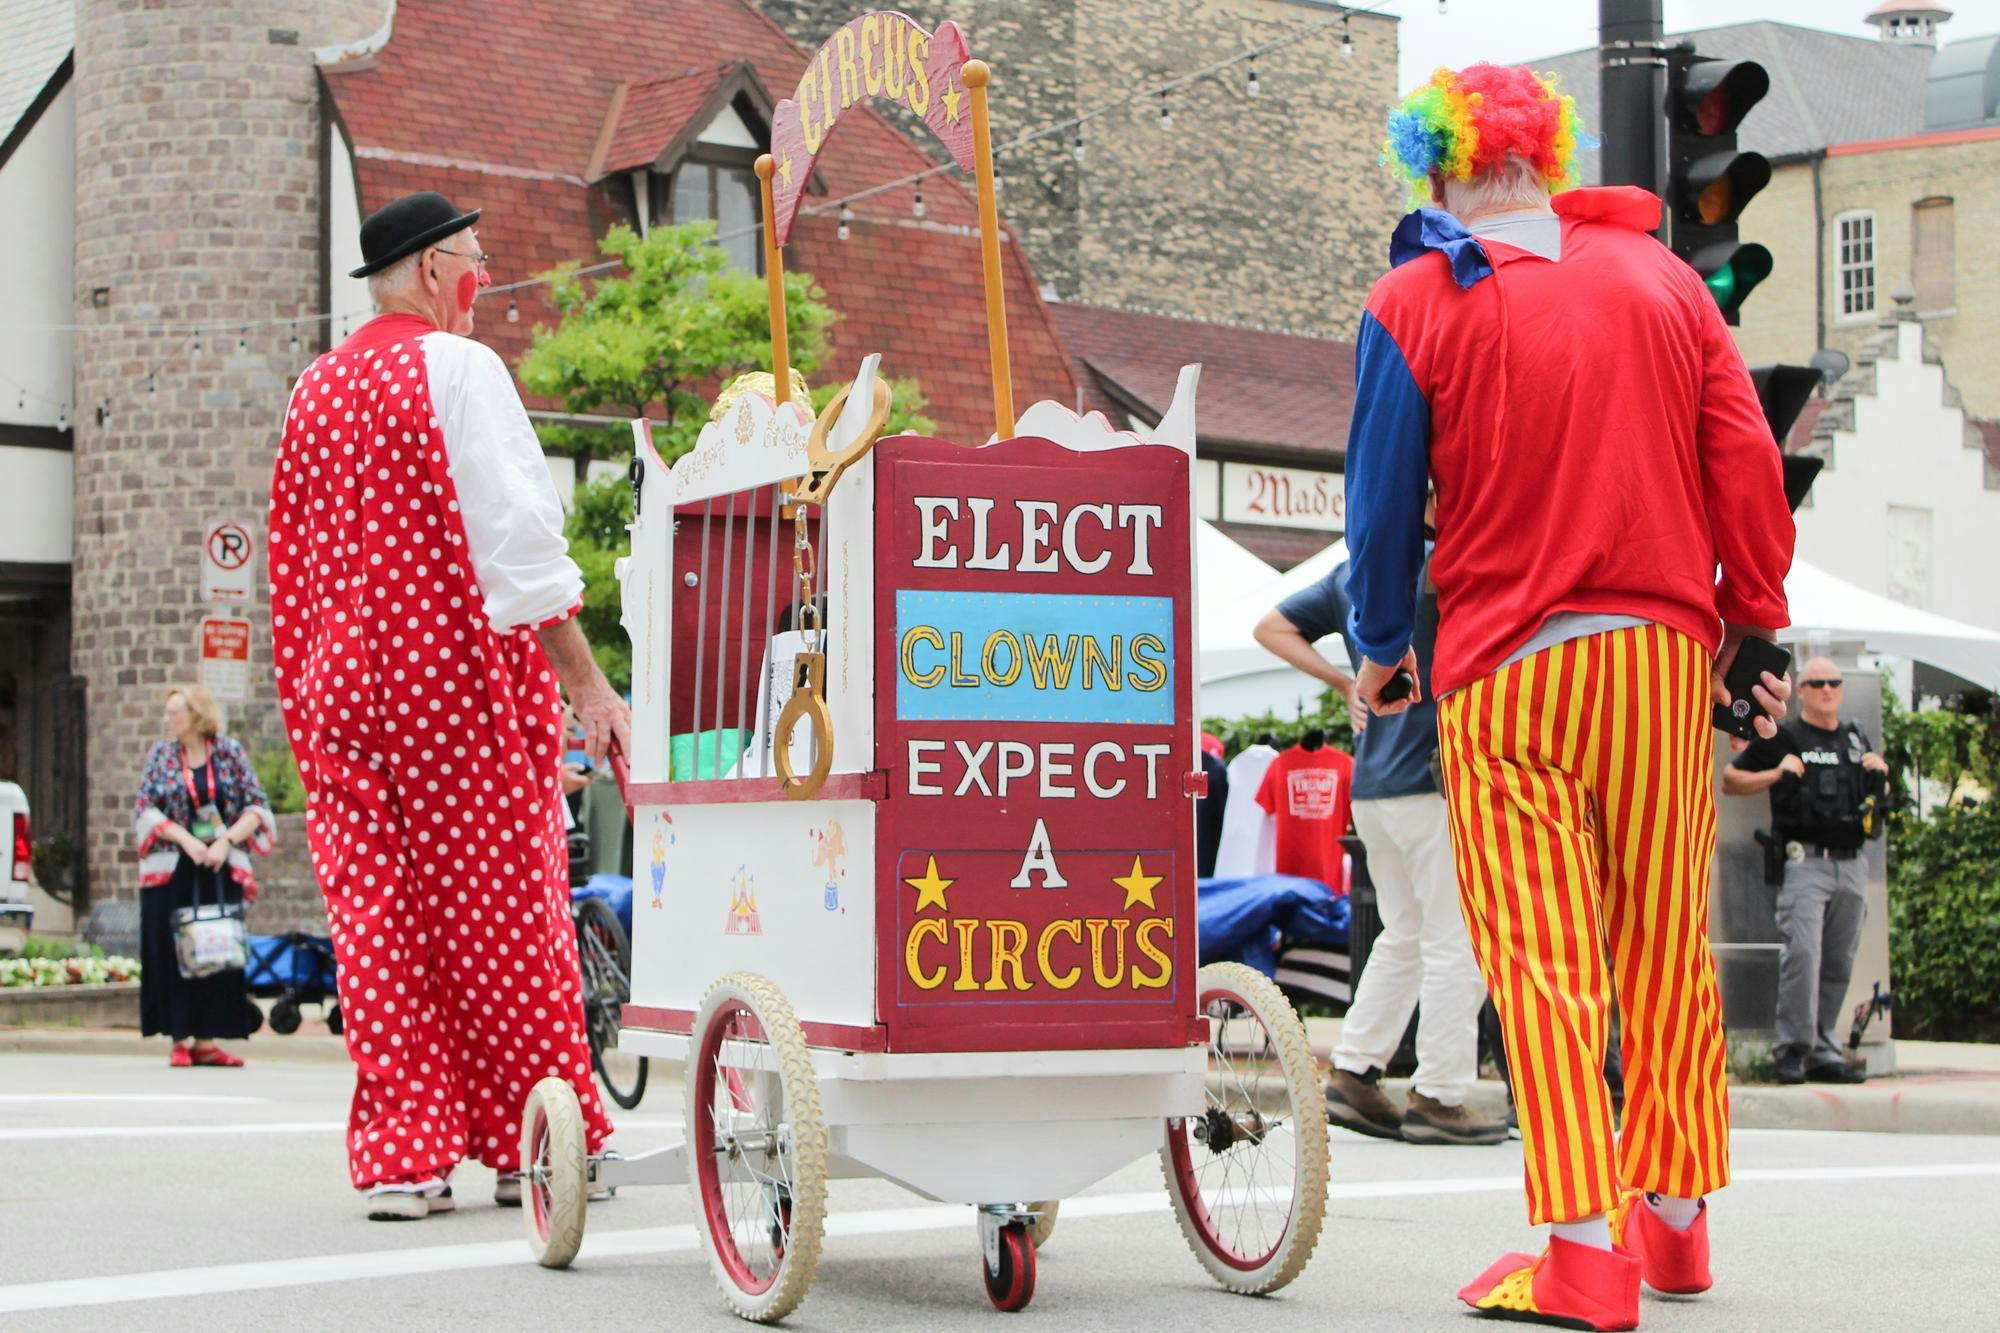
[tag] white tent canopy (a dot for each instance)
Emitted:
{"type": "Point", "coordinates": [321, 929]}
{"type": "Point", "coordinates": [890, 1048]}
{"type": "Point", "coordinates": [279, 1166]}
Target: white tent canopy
{"type": "Point", "coordinates": [1239, 678]}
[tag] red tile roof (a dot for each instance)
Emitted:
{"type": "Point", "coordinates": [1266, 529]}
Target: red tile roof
{"type": "Point", "coordinates": [1285, 395]}
{"type": "Point", "coordinates": [501, 105]}
{"type": "Point", "coordinates": [648, 116]}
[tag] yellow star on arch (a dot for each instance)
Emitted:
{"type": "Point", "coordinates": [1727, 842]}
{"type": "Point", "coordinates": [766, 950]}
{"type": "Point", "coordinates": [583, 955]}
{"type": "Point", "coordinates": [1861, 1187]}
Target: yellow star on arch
{"type": "Point", "coordinates": [930, 887]}
{"type": "Point", "coordinates": [1139, 885]}
{"type": "Point", "coordinates": [785, 169]}
{"type": "Point", "coordinates": [950, 100]}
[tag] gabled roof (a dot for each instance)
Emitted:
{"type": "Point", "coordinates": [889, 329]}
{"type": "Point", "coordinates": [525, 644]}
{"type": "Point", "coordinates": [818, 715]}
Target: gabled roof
{"type": "Point", "coordinates": [518, 140]}
{"type": "Point", "coordinates": [1279, 395]}
{"type": "Point", "coordinates": [40, 34]}
{"type": "Point", "coordinates": [652, 123]}
{"type": "Point", "coordinates": [1826, 87]}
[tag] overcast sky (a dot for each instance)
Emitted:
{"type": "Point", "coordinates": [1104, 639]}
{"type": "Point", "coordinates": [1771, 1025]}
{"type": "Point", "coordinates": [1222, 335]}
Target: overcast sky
{"type": "Point", "coordinates": [1515, 30]}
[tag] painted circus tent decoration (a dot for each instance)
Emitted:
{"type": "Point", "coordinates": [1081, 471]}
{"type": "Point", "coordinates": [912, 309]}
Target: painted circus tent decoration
{"type": "Point", "coordinates": [914, 750]}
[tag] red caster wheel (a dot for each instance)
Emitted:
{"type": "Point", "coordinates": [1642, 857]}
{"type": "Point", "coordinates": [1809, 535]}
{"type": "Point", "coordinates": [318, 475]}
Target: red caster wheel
{"type": "Point", "coordinates": [1011, 1285]}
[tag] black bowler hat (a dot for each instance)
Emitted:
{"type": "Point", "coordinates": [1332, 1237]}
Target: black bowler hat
{"type": "Point", "coordinates": [404, 226]}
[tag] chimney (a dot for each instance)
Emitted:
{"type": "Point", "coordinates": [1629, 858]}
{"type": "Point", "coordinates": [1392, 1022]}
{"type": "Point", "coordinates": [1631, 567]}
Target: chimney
{"type": "Point", "coordinates": [1909, 22]}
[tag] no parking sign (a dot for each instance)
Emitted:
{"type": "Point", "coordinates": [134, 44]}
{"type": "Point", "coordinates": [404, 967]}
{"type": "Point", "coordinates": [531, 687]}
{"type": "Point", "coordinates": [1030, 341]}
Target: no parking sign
{"type": "Point", "coordinates": [227, 552]}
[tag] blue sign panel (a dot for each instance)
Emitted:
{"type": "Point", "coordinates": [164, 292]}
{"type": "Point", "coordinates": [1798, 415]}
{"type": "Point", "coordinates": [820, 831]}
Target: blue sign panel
{"type": "Point", "coordinates": [1033, 657]}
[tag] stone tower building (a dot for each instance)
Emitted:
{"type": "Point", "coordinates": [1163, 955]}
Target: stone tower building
{"type": "Point", "coordinates": [1265, 208]}
{"type": "Point", "coordinates": [198, 184]}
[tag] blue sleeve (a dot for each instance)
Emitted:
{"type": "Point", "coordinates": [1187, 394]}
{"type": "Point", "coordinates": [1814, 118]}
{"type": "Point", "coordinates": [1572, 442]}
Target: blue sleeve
{"type": "Point", "coordinates": [1388, 473]}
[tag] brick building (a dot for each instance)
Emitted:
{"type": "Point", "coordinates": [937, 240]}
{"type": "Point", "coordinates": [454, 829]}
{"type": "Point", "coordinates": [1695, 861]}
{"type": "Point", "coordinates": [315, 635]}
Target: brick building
{"type": "Point", "coordinates": [1263, 208]}
{"type": "Point", "coordinates": [184, 164]}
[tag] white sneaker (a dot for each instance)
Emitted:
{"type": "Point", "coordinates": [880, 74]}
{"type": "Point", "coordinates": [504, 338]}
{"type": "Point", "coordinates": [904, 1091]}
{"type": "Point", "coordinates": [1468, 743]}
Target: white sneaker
{"type": "Point", "coordinates": [404, 1203]}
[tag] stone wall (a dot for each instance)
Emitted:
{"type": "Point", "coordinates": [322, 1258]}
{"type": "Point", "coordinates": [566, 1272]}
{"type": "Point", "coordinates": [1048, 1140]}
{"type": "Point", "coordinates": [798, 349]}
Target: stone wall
{"type": "Point", "coordinates": [1268, 209]}
{"type": "Point", "coordinates": [1781, 319]}
{"type": "Point", "coordinates": [198, 183]}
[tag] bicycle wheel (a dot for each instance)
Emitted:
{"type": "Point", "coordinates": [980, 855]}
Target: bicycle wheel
{"type": "Point", "coordinates": [1247, 1177]}
{"type": "Point", "coordinates": [757, 1145]}
{"type": "Point", "coordinates": [605, 955]}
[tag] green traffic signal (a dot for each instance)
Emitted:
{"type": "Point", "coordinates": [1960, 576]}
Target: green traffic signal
{"type": "Point", "coordinates": [1731, 272]}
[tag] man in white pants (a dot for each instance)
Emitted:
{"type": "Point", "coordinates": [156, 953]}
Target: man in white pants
{"type": "Point", "coordinates": [1423, 951]}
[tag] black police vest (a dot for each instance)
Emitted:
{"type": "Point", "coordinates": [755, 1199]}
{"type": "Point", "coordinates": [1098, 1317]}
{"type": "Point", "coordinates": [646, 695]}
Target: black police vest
{"type": "Point", "coordinates": [1824, 806]}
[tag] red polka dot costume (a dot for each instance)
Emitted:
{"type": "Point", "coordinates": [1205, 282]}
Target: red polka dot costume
{"type": "Point", "coordinates": [426, 721]}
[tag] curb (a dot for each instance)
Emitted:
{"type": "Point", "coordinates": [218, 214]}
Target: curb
{"type": "Point", "coordinates": [304, 1047]}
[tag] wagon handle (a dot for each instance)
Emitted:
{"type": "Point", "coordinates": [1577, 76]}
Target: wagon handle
{"type": "Point", "coordinates": [621, 769]}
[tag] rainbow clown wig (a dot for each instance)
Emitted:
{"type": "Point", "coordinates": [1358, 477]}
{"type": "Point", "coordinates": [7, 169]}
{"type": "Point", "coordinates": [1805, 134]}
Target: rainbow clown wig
{"type": "Point", "coordinates": [1466, 122]}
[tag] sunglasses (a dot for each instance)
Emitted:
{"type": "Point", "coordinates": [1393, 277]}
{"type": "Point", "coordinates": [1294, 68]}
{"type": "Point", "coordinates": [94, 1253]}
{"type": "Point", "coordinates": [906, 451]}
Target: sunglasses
{"type": "Point", "coordinates": [1822, 684]}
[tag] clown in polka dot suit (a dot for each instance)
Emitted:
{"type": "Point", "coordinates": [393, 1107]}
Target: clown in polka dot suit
{"type": "Point", "coordinates": [423, 604]}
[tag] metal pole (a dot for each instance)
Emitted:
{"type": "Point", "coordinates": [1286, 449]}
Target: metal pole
{"type": "Point", "coordinates": [1632, 92]}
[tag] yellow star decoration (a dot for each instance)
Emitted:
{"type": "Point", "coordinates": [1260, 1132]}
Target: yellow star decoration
{"type": "Point", "coordinates": [785, 169]}
{"type": "Point", "coordinates": [930, 888]}
{"type": "Point", "coordinates": [950, 99]}
{"type": "Point", "coordinates": [1139, 885]}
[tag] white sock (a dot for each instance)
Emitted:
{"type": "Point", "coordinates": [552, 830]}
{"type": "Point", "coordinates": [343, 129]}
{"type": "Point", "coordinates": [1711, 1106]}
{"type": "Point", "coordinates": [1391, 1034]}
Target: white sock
{"type": "Point", "coordinates": [1676, 1213]}
{"type": "Point", "coordinates": [1594, 1231]}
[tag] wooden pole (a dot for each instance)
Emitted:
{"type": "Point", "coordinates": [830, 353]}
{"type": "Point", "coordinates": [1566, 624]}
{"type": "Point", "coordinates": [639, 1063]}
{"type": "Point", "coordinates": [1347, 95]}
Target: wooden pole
{"type": "Point", "coordinates": [774, 277]}
{"type": "Point", "coordinates": [976, 76]}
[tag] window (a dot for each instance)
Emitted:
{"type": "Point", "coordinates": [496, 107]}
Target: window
{"type": "Point", "coordinates": [1933, 255]}
{"type": "Point", "coordinates": [1855, 264]}
{"type": "Point", "coordinates": [724, 192]}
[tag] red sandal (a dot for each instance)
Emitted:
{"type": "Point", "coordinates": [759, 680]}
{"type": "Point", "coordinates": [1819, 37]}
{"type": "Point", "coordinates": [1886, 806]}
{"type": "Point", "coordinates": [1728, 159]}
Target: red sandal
{"type": "Point", "coordinates": [180, 1057]}
{"type": "Point", "coordinates": [215, 1055]}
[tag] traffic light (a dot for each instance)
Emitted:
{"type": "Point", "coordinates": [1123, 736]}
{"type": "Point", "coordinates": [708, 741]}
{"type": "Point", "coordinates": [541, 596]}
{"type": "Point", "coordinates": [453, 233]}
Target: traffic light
{"type": "Point", "coordinates": [1708, 181]}
{"type": "Point", "coordinates": [1782, 392]}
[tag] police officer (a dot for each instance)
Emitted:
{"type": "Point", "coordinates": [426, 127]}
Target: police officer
{"type": "Point", "coordinates": [1823, 779]}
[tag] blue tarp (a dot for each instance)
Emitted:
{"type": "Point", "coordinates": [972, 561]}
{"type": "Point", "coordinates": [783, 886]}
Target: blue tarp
{"type": "Point", "coordinates": [1243, 920]}
{"type": "Point", "coordinates": [614, 889]}
{"type": "Point", "coordinates": [282, 964]}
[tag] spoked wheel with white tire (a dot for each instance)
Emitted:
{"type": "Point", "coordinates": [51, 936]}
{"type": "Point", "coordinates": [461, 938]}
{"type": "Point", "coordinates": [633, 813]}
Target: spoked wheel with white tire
{"type": "Point", "coordinates": [757, 1143]}
{"type": "Point", "coordinates": [1247, 1176]}
{"type": "Point", "coordinates": [1044, 1224]}
{"type": "Point", "coordinates": [555, 1184]}
{"type": "Point", "coordinates": [604, 956]}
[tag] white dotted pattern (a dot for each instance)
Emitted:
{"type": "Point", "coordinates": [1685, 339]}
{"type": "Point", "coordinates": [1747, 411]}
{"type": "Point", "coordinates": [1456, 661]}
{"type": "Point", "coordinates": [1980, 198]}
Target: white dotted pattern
{"type": "Point", "coordinates": [430, 748]}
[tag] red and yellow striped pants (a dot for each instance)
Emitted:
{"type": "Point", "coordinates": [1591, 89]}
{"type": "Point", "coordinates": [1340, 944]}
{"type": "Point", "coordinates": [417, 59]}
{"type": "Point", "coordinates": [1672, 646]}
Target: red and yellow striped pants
{"type": "Point", "coordinates": [1583, 819]}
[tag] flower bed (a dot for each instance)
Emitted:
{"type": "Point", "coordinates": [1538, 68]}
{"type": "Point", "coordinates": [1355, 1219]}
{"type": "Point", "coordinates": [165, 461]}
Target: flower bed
{"type": "Point", "coordinates": [45, 972]}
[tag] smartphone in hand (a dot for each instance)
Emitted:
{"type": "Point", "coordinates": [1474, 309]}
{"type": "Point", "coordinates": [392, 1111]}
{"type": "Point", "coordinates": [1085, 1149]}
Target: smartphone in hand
{"type": "Point", "coordinates": [1753, 659]}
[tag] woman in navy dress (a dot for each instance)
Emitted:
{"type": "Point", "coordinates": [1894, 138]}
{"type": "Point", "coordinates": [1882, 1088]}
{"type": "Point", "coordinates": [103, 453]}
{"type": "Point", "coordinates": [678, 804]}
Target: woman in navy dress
{"type": "Point", "coordinates": [200, 812]}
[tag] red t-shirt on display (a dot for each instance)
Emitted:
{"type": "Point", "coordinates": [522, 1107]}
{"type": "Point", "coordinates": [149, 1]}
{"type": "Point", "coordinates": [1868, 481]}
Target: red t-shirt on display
{"type": "Point", "coordinates": [1307, 793]}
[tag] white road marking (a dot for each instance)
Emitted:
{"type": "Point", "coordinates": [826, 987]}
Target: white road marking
{"type": "Point", "coordinates": [413, 1261]}
{"type": "Point", "coordinates": [44, 1132]}
{"type": "Point", "coordinates": [172, 1098]}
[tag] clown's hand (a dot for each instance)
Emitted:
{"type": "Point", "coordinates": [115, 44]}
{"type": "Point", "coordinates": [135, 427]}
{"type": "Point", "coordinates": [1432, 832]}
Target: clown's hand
{"type": "Point", "coordinates": [1375, 677]}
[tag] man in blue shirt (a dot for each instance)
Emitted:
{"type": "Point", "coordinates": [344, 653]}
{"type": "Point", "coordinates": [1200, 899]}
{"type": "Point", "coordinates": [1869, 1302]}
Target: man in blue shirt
{"type": "Point", "coordinates": [1423, 951]}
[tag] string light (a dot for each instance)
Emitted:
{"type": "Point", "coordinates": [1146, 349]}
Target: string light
{"type": "Point", "coordinates": [1250, 84]}
{"type": "Point", "coordinates": [999, 181]}
{"type": "Point", "coordinates": [295, 342]}
{"type": "Point", "coordinates": [1346, 43]}
{"type": "Point", "coordinates": [513, 311]}
{"type": "Point", "coordinates": [243, 341]}
{"type": "Point", "coordinates": [1166, 112]}
{"type": "Point", "coordinates": [1444, 6]}
{"type": "Point", "coordinates": [846, 228]}
{"type": "Point", "coordinates": [917, 204]}
{"type": "Point", "coordinates": [1077, 152]}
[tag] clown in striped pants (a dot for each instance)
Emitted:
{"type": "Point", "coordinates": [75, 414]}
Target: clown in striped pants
{"type": "Point", "coordinates": [1583, 820]}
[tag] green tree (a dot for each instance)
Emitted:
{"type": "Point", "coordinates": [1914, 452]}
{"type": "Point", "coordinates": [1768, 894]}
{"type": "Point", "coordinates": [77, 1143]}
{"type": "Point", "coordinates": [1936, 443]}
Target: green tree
{"type": "Point", "coordinates": [657, 341]}
{"type": "Point", "coordinates": [657, 338]}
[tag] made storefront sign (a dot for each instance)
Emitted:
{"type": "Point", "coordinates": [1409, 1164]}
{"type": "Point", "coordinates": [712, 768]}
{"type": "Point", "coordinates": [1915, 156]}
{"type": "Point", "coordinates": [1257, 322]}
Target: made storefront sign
{"type": "Point", "coordinates": [228, 554]}
{"type": "Point", "coordinates": [225, 658]}
{"type": "Point", "coordinates": [1283, 497]}
{"type": "Point", "coordinates": [1032, 717]}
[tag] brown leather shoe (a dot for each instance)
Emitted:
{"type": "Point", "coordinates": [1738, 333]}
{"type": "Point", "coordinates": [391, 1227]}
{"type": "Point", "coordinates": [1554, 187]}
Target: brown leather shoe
{"type": "Point", "coordinates": [1355, 1103]}
{"type": "Point", "coordinates": [1431, 1121]}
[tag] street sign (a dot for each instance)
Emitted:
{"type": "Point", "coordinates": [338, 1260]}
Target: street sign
{"type": "Point", "coordinates": [225, 658]}
{"type": "Point", "coordinates": [227, 552]}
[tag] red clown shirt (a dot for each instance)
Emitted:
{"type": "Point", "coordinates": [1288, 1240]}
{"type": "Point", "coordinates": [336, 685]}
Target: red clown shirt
{"type": "Point", "coordinates": [416, 543]}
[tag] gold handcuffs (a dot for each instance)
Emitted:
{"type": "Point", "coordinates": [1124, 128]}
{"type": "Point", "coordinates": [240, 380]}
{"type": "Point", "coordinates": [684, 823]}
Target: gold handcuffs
{"type": "Point", "coordinates": [808, 699]}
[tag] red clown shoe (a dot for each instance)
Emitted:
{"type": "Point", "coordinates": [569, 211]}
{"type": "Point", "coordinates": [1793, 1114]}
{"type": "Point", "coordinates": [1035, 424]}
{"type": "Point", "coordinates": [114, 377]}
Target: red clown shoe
{"type": "Point", "coordinates": [1675, 1262]}
{"type": "Point", "coordinates": [1569, 1286]}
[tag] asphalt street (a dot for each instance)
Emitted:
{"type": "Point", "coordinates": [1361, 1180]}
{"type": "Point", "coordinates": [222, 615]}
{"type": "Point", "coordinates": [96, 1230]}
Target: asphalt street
{"type": "Point", "coordinates": [137, 1196]}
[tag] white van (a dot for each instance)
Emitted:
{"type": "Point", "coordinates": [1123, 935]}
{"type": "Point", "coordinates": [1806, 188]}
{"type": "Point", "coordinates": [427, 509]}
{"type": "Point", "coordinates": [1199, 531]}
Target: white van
{"type": "Point", "coordinates": [16, 915]}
